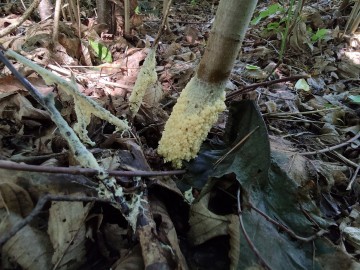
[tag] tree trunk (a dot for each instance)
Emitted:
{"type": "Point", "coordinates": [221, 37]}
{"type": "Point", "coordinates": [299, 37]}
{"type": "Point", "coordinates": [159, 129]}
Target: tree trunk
{"type": "Point", "coordinates": [56, 21]}
{"type": "Point", "coordinates": [45, 9]}
{"type": "Point", "coordinates": [127, 16]}
{"type": "Point", "coordinates": [165, 6]}
{"type": "Point", "coordinates": [203, 98]}
{"type": "Point", "coordinates": [106, 14]}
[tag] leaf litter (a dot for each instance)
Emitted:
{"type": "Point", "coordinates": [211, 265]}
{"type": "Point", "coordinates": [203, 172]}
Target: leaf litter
{"type": "Point", "coordinates": [271, 187]}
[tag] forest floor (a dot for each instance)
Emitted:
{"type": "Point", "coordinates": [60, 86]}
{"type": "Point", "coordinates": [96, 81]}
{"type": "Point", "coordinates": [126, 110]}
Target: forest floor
{"type": "Point", "coordinates": [275, 185]}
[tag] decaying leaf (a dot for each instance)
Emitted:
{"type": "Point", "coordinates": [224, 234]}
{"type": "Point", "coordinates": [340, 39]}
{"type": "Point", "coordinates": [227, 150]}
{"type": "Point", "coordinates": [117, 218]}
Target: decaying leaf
{"type": "Point", "coordinates": [167, 229]}
{"type": "Point", "coordinates": [66, 230]}
{"type": "Point", "coordinates": [131, 261]}
{"type": "Point", "coordinates": [204, 223]}
{"type": "Point", "coordinates": [30, 247]}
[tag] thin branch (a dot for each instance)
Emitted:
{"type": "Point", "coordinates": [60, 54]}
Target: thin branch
{"type": "Point", "coordinates": [251, 244]}
{"type": "Point", "coordinates": [56, 21]}
{"type": "Point", "coordinates": [301, 113]}
{"type": "Point", "coordinates": [256, 85]}
{"type": "Point", "coordinates": [22, 19]}
{"type": "Point", "coordinates": [235, 147]}
{"type": "Point", "coordinates": [346, 160]}
{"type": "Point", "coordinates": [82, 171]}
{"type": "Point", "coordinates": [162, 26]}
{"type": "Point", "coordinates": [172, 21]}
{"type": "Point", "coordinates": [21, 158]}
{"type": "Point", "coordinates": [328, 149]}
{"type": "Point", "coordinates": [37, 209]}
{"type": "Point", "coordinates": [289, 231]}
{"type": "Point", "coordinates": [308, 216]}
{"type": "Point", "coordinates": [353, 178]}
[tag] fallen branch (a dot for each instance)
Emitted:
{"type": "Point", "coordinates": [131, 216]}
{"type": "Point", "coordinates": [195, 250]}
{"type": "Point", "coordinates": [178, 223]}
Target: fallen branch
{"type": "Point", "coordinates": [82, 171]}
{"type": "Point", "coordinates": [353, 178]}
{"type": "Point", "coordinates": [289, 231]}
{"type": "Point", "coordinates": [247, 238]}
{"type": "Point", "coordinates": [249, 88]}
{"type": "Point", "coordinates": [301, 113]}
{"type": "Point", "coordinates": [328, 149]}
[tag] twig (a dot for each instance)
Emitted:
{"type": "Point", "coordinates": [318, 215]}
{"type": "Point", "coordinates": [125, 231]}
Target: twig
{"type": "Point", "coordinates": [267, 43]}
{"type": "Point", "coordinates": [349, 162]}
{"type": "Point", "coordinates": [289, 231]}
{"type": "Point", "coordinates": [346, 160]}
{"type": "Point", "coordinates": [22, 19]}
{"type": "Point", "coordinates": [274, 96]}
{"type": "Point", "coordinates": [82, 171]}
{"type": "Point", "coordinates": [23, 4]}
{"type": "Point", "coordinates": [37, 209]}
{"type": "Point", "coordinates": [301, 113]}
{"type": "Point", "coordinates": [251, 244]}
{"type": "Point", "coordinates": [126, 16]}
{"type": "Point", "coordinates": [235, 147]}
{"type": "Point", "coordinates": [328, 149]}
{"type": "Point", "coordinates": [308, 216]}
{"type": "Point", "coordinates": [181, 22]}
{"type": "Point", "coordinates": [21, 158]}
{"type": "Point", "coordinates": [297, 134]}
{"type": "Point", "coordinates": [340, 156]}
{"type": "Point", "coordinates": [162, 26]}
{"type": "Point", "coordinates": [353, 178]}
{"type": "Point", "coordinates": [253, 86]}
{"type": "Point", "coordinates": [55, 36]}
{"type": "Point", "coordinates": [299, 120]}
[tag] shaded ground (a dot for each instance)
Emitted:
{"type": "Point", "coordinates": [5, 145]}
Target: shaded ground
{"type": "Point", "coordinates": [275, 185]}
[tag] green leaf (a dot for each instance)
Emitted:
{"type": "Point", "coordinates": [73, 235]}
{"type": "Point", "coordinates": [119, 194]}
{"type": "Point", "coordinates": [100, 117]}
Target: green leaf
{"type": "Point", "coordinates": [273, 26]}
{"type": "Point", "coordinates": [302, 85]}
{"type": "Point", "coordinates": [137, 10]}
{"type": "Point", "coordinates": [101, 51]}
{"type": "Point", "coordinates": [252, 67]}
{"type": "Point", "coordinates": [320, 34]}
{"type": "Point", "coordinates": [271, 10]}
{"type": "Point", "coordinates": [328, 106]}
{"type": "Point", "coordinates": [355, 99]}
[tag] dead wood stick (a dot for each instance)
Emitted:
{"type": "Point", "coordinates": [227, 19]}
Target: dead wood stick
{"type": "Point", "coordinates": [286, 229]}
{"type": "Point", "coordinates": [247, 238]}
{"type": "Point", "coordinates": [83, 171]}
{"type": "Point", "coordinates": [253, 86]}
{"type": "Point", "coordinates": [22, 19]}
{"type": "Point", "coordinates": [328, 149]}
{"type": "Point", "coordinates": [162, 26]}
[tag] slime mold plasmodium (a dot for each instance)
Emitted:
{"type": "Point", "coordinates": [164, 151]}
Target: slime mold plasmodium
{"type": "Point", "coordinates": [196, 110]}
